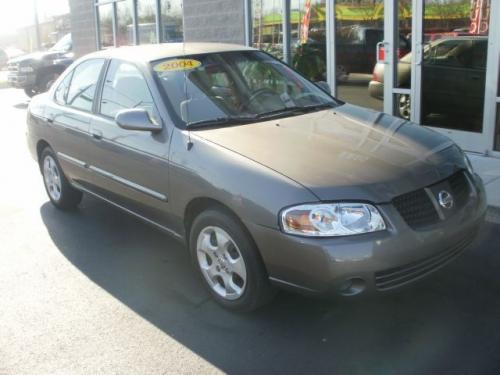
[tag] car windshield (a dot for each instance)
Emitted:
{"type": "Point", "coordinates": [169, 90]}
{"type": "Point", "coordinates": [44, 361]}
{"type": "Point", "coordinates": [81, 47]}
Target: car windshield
{"type": "Point", "coordinates": [229, 88]}
{"type": "Point", "coordinates": [64, 44]}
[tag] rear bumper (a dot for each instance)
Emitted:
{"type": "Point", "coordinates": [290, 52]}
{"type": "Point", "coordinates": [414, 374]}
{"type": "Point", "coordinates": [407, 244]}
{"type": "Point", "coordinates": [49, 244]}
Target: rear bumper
{"type": "Point", "coordinates": [369, 263]}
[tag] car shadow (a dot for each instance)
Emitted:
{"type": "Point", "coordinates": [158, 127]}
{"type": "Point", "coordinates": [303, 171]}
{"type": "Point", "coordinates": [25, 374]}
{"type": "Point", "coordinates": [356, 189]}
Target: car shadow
{"type": "Point", "coordinates": [22, 105]}
{"type": "Point", "coordinates": [448, 323]}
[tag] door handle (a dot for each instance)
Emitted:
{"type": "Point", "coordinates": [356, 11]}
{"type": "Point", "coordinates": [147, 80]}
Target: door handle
{"type": "Point", "coordinates": [50, 119]}
{"type": "Point", "coordinates": [96, 134]}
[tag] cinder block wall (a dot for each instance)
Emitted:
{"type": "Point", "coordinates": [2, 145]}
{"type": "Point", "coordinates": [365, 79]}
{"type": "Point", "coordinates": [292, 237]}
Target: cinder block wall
{"type": "Point", "coordinates": [83, 26]}
{"type": "Point", "coordinates": [214, 21]}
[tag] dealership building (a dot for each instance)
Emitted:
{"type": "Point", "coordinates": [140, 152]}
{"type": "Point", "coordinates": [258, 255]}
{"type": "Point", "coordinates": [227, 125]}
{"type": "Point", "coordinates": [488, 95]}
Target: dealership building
{"type": "Point", "coordinates": [435, 62]}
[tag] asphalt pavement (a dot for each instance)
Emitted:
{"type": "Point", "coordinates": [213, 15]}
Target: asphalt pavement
{"type": "Point", "coordinates": [96, 291]}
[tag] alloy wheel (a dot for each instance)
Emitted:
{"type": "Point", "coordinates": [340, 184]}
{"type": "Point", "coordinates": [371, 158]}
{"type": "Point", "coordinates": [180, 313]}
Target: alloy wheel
{"type": "Point", "coordinates": [404, 106]}
{"type": "Point", "coordinates": [221, 263]}
{"type": "Point", "coordinates": [52, 178]}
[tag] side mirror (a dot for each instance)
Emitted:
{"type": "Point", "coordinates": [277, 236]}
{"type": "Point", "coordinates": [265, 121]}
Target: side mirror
{"type": "Point", "coordinates": [324, 86]}
{"type": "Point", "coordinates": [136, 119]}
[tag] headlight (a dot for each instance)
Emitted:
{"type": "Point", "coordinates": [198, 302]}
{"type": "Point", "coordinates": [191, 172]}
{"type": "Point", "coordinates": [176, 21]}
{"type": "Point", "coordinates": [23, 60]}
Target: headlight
{"type": "Point", "coordinates": [468, 164]}
{"type": "Point", "coordinates": [336, 219]}
{"type": "Point", "coordinates": [26, 69]}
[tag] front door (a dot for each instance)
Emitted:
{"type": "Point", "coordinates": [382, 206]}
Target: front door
{"type": "Point", "coordinates": [130, 167]}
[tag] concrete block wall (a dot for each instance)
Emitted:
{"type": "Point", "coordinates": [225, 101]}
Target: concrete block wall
{"type": "Point", "coordinates": [83, 26]}
{"type": "Point", "coordinates": [214, 21]}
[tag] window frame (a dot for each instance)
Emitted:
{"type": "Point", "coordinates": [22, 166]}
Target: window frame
{"type": "Point", "coordinates": [100, 88]}
{"type": "Point", "coordinates": [71, 73]}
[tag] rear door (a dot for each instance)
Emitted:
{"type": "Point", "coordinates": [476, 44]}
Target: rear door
{"type": "Point", "coordinates": [130, 167]}
{"type": "Point", "coordinates": [69, 116]}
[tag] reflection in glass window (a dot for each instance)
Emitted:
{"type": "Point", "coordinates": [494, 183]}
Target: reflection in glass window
{"type": "Point", "coordinates": [268, 26]}
{"type": "Point", "coordinates": [454, 66]}
{"type": "Point", "coordinates": [125, 88]}
{"type": "Point", "coordinates": [106, 25]}
{"type": "Point", "coordinates": [62, 90]}
{"type": "Point", "coordinates": [82, 88]}
{"type": "Point", "coordinates": [308, 44]}
{"type": "Point", "coordinates": [146, 11]}
{"type": "Point", "coordinates": [171, 18]}
{"type": "Point", "coordinates": [497, 133]}
{"type": "Point", "coordinates": [125, 27]}
{"type": "Point", "coordinates": [359, 26]}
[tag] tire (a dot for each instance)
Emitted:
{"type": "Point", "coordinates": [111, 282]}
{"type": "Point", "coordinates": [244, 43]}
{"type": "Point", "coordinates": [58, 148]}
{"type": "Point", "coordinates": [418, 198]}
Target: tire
{"type": "Point", "coordinates": [46, 81]}
{"type": "Point", "coordinates": [228, 262]}
{"type": "Point", "coordinates": [60, 192]}
{"type": "Point", "coordinates": [30, 92]}
{"type": "Point", "coordinates": [404, 106]}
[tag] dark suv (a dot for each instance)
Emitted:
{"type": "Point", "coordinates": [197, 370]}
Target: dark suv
{"type": "Point", "coordinates": [35, 72]}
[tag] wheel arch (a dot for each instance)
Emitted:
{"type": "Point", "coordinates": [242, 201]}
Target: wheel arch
{"type": "Point", "coordinates": [40, 146]}
{"type": "Point", "coordinates": [197, 205]}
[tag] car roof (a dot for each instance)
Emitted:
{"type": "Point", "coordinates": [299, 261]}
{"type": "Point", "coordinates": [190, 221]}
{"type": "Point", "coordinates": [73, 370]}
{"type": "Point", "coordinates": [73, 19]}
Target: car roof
{"type": "Point", "coordinates": [150, 52]}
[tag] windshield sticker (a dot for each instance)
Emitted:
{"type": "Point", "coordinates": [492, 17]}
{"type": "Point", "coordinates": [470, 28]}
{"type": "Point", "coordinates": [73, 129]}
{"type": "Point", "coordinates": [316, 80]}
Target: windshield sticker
{"type": "Point", "coordinates": [177, 65]}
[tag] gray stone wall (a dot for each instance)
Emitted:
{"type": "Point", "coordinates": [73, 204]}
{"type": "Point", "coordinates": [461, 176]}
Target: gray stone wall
{"type": "Point", "coordinates": [214, 21]}
{"type": "Point", "coordinates": [83, 26]}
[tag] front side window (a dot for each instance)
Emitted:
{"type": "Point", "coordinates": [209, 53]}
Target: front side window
{"type": "Point", "coordinates": [125, 88]}
{"type": "Point", "coordinates": [83, 84]}
{"type": "Point", "coordinates": [224, 85]}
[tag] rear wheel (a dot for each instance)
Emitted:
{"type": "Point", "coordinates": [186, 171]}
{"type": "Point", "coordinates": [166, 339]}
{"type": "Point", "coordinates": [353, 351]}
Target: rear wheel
{"type": "Point", "coordinates": [228, 262]}
{"type": "Point", "coordinates": [59, 190]}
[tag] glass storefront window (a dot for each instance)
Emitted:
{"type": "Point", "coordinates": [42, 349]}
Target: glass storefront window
{"type": "Point", "coordinates": [268, 26]}
{"type": "Point", "coordinates": [171, 15]}
{"type": "Point", "coordinates": [497, 130]}
{"type": "Point", "coordinates": [454, 64]}
{"type": "Point", "coordinates": [308, 38]}
{"type": "Point", "coordinates": [146, 14]}
{"type": "Point", "coordinates": [106, 25]}
{"type": "Point", "coordinates": [125, 26]}
{"type": "Point", "coordinates": [359, 27]}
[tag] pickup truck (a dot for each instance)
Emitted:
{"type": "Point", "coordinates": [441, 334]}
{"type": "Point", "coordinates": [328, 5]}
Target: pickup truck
{"type": "Point", "coordinates": [356, 51]}
{"type": "Point", "coordinates": [35, 72]}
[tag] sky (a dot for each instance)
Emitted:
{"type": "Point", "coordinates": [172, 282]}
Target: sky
{"type": "Point", "coordinates": [19, 13]}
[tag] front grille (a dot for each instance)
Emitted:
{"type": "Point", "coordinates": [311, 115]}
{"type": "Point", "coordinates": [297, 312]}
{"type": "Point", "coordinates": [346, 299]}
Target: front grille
{"type": "Point", "coordinates": [398, 276]}
{"type": "Point", "coordinates": [13, 67]}
{"type": "Point", "coordinates": [459, 188]}
{"type": "Point", "coordinates": [417, 208]}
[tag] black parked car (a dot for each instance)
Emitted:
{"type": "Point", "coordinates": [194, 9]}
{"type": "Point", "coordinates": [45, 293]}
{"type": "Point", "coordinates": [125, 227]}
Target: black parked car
{"type": "Point", "coordinates": [35, 72]}
{"type": "Point", "coordinates": [454, 73]}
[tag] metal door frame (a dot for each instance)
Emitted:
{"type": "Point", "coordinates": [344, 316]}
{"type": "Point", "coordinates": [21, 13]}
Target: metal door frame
{"type": "Point", "coordinates": [469, 141]}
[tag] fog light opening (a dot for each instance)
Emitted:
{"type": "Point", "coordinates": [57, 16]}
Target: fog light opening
{"type": "Point", "coordinates": [352, 286]}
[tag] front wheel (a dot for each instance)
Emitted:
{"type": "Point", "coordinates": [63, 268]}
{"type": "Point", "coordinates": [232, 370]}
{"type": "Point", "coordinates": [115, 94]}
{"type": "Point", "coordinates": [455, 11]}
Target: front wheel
{"type": "Point", "coordinates": [228, 262]}
{"type": "Point", "coordinates": [59, 190]}
{"type": "Point", "coordinates": [30, 91]}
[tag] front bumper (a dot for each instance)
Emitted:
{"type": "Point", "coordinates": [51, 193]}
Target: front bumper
{"type": "Point", "coordinates": [21, 80]}
{"type": "Point", "coordinates": [373, 262]}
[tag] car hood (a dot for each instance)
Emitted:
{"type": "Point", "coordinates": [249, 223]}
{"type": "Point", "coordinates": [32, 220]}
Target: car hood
{"type": "Point", "coordinates": [348, 153]}
{"type": "Point", "coordinates": [37, 56]}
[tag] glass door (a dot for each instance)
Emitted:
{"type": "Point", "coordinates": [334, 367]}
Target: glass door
{"type": "Point", "coordinates": [448, 69]}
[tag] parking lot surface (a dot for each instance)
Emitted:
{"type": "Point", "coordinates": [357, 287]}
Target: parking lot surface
{"type": "Point", "coordinates": [96, 291]}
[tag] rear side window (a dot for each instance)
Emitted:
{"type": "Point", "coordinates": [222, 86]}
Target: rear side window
{"type": "Point", "coordinates": [83, 84]}
{"type": "Point", "coordinates": [62, 90]}
{"type": "Point", "coordinates": [125, 88]}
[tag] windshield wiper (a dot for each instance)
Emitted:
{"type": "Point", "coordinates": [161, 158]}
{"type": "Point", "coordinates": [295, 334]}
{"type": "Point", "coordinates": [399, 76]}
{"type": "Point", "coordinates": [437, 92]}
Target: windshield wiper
{"type": "Point", "coordinates": [221, 121]}
{"type": "Point", "coordinates": [294, 109]}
